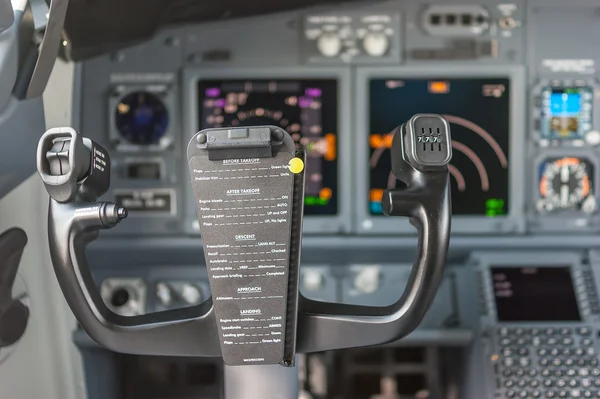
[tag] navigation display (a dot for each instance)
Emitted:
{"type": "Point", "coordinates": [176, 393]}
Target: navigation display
{"type": "Point", "coordinates": [566, 112]}
{"type": "Point", "coordinates": [534, 294]}
{"type": "Point", "coordinates": [479, 117]}
{"type": "Point", "coordinates": [305, 108]}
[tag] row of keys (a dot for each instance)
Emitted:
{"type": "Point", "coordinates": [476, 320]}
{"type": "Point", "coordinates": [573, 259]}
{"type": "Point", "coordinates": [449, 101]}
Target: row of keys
{"type": "Point", "coordinates": [590, 285]}
{"type": "Point", "coordinates": [543, 341]}
{"type": "Point", "coordinates": [552, 382]}
{"type": "Point", "coordinates": [542, 352]}
{"type": "Point", "coordinates": [565, 331]}
{"type": "Point", "coordinates": [549, 372]}
{"type": "Point", "coordinates": [523, 394]}
{"type": "Point", "coordinates": [574, 393]}
{"type": "Point", "coordinates": [509, 362]}
{"type": "Point", "coordinates": [570, 372]}
{"type": "Point", "coordinates": [571, 382]}
{"type": "Point", "coordinates": [557, 362]}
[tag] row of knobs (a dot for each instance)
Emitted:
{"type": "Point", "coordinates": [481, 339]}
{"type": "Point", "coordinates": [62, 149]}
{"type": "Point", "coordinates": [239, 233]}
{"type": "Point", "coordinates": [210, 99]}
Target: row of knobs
{"type": "Point", "coordinates": [189, 294]}
{"type": "Point", "coordinates": [126, 301]}
{"type": "Point", "coordinates": [366, 280]}
{"type": "Point", "coordinates": [375, 44]}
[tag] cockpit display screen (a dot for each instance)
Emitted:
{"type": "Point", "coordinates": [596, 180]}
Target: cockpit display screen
{"type": "Point", "coordinates": [534, 294]}
{"type": "Point", "coordinates": [478, 110]}
{"type": "Point", "coordinates": [305, 108]}
{"type": "Point", "coordinates": [566, 112]}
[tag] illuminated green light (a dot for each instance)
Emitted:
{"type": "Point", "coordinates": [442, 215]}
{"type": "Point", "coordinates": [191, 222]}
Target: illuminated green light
{"type": "Point", "coordinates": [494, 207]}
{"type": "Point", "coordinates": [494, 203]}
{"type": "Point", "coordinates": [311, 200]}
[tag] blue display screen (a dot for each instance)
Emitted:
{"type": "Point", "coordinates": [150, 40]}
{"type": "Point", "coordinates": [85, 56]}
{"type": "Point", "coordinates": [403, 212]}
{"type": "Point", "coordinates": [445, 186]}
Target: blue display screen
{"type": "Point", "coordinates": [565, 104]}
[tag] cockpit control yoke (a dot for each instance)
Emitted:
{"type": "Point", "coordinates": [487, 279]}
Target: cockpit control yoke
{"type": "Point", "coordinates": [248, 185]}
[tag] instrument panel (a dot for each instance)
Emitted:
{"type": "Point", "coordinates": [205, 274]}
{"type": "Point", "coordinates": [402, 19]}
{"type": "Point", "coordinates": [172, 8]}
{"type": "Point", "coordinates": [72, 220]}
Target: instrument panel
{"type": "Point", "coordinates": [305, 108]}
{"type": "Point", "coordinates": [478, 111]}
{"type": "Point", "coordinates": [523, 101]}
{"type": "Point", "coordinates": [519, 166]}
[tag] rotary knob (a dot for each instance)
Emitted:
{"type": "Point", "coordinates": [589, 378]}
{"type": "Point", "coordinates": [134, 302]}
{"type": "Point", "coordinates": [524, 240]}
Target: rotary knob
{"type": "Point", "coordinates": [164, 294]}
{"type": "Point", "coordinates": [329, 44]}
{"type": "Point", "coordinates": [590, 205]}
{"type": "Point", "coordinates": [592, 138]}
{"type": "Point", "coordinates": [367, 279]}
{"type": "Point", "coordinates": [190, 294]}
{"type": "Point", "coordinates": [376, 44]}
{"type": "Point", "coordinates": [312, 280]}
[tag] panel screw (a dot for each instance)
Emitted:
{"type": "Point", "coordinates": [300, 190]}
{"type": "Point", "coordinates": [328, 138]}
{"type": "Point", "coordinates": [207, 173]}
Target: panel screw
{"type": "Point", "coordinates": [211, 138]}
{"type": "Point", "coordinates": [201, 138]}
{"type": "Point", "coordinates": [278, 135]}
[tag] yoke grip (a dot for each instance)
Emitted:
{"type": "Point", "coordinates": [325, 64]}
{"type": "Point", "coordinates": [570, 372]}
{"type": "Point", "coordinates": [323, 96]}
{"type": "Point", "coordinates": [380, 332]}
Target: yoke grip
{"type": "Point", "coordinates": [327, 326]}
{"type": "Point", "coordinates": [420, 153]}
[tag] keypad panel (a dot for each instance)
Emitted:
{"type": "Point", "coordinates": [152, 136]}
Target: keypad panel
{"type": "Point", "coordinates": [546, 362]}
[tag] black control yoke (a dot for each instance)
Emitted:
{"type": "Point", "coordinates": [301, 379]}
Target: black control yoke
{"type": "Point", "coordinates": [76, 171]}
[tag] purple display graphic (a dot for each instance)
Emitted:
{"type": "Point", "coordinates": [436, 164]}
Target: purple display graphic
{"type": "Point", "coordinates": [313, 92]}
{"type": "Point", "coordinates": [304, 102]}
{"type": "Point", "coordinates": [220, 103]}
{"type": "Point", "coordinates": [213, 92]}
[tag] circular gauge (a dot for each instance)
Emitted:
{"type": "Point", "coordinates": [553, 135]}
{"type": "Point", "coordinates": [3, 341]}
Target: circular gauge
{"type": "Point", "coordinates": [566, 184]}
{"type": "Point", "coordinates": [141, 118]}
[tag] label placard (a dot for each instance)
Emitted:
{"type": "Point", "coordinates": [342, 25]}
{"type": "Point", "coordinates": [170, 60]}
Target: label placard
{"type": "Point", "coordinates": [245, 214]}
{"type": "Point", "coordinates": [146, 201]}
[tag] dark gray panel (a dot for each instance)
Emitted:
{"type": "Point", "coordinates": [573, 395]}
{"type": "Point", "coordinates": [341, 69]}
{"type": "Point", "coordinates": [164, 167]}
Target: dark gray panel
{"type": "Point", "coordinates": [557, 45]}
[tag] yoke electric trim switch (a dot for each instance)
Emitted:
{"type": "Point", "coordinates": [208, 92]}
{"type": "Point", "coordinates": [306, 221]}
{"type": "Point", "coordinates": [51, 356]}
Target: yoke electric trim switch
{"type": "Point", "coordinates": [252, 251]}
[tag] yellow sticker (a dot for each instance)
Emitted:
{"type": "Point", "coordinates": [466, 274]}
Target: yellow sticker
{"type": "Point", "coordinates": [296, 165]}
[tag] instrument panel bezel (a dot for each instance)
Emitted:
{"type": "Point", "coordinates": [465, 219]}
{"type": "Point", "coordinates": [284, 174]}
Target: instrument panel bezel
{"type": "Point", "coordinates": [511, 223]}
{"type": "Point", "coordinates": [565, 220]}
{"type": "Point", "coordinates": [165, 93]}
{"type": "Point", "coordinates": [486, 260]}
{"type": "Point", "coordinates": [340, 223]}
{"type": "Point", "coordinates": [536, 110]}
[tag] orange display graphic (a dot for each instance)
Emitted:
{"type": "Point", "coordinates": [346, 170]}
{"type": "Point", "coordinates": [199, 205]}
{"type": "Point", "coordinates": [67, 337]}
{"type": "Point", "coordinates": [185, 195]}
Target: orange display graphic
{"type": "Point", "coordinates": [439, 87]}
{"type": "Point", "coordinates": [331, 153]}
{"type": "Point", "coordinates": [381, 140]}
{"type": "Point", "coordinates": [325, 193]}
{"type": "Point", "coordinates": [376, 195]}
